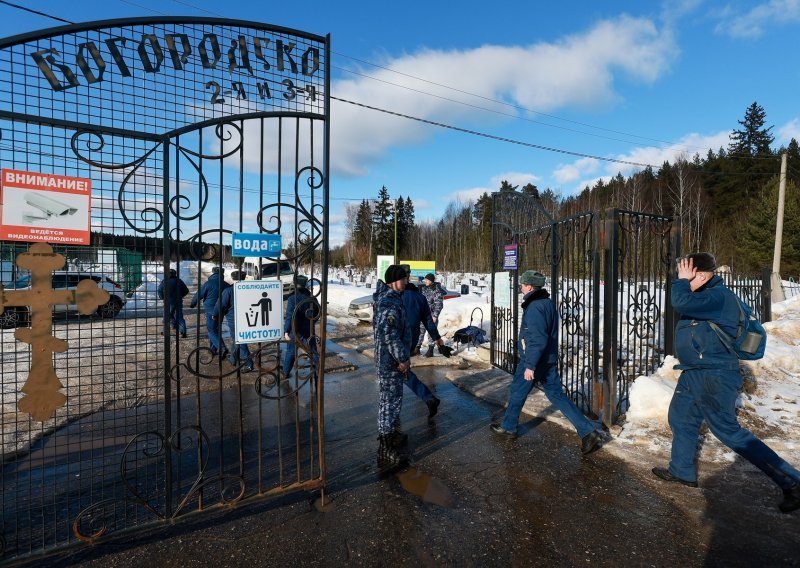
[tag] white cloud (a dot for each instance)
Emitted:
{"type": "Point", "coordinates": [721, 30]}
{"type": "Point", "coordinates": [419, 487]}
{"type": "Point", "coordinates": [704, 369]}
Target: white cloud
{"type": "Point", "coordinates": [541, 77]}
{"type": "Point", "coordinates": [753, 24]}
{"type": "Point", "coordinates": [788, 131]}
{"type": "Point", "coordinates": [571, 172]}
{"type": "Point", "coordinates": [686, 147]}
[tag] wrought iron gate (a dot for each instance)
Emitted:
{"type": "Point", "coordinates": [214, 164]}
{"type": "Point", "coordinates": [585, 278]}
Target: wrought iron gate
{"type": "Point", "coordinates": [609, 277]}
{"type": "Point", "coordinates": [186, 129]}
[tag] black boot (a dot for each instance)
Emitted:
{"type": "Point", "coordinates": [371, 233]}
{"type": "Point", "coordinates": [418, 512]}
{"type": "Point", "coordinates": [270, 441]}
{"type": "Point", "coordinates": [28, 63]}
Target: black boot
{"type": "Point", "coordinates": [791, 499]}
{"type": "Point", "coordinates": [389, 457]}
{"type": "Point", "coordinates": [398, 439]}
{"type": "Point", "coordinates": [429, 352]}
{"type": "Point", "coordinates": [415, 351]}
{"type": "Point", "coordinates": [433, 406]}
{"type": "Point", "coordinates": [590, 442]}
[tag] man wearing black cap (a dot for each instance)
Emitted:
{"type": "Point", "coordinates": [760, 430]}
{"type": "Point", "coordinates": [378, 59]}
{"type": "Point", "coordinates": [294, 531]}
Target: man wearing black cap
{"type": "Point", "coordinates": [391, 362]}
{"type": "Point", "coordinates": [434, 294]}
{"type": "Point", "coordinates": [538, 362]}
{"type": "Point", "coordinates": [302, 310]}
{"type": "Point", "coordinates": [710, 381]}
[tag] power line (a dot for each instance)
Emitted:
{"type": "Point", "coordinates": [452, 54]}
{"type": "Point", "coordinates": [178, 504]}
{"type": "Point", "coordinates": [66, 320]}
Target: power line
{"type": "Point", "coordinates": [37, 12]}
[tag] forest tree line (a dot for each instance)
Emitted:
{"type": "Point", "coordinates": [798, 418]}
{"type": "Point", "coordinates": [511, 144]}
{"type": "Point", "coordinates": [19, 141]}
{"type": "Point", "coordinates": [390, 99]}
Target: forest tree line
{"type": "Point", "coordinates": [726, 202]}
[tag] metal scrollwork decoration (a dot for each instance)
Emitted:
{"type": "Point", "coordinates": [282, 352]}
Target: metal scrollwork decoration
{"type": "Point", "coordinates": [84, 143]}
{"type": "Point", "coordinates": [643, 313]}
{"type": "Point", "coordinates": [572, 310]}
{"type": "Point", "coordinates": [93, 522]}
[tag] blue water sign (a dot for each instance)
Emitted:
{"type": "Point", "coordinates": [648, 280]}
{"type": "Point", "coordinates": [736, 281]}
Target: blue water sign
{"type": "Point", "coordinates": [255, 244]}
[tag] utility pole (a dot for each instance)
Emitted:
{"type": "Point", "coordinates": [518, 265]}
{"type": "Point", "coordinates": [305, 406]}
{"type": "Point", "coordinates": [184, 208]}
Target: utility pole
{"type": "Point", "coordinates": [395, 231]}
{"type": "Point", "coordinates": [777, 286]}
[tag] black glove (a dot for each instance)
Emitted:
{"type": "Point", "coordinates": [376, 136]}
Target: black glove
{"type": "Point", "coordinates": [445, 350]}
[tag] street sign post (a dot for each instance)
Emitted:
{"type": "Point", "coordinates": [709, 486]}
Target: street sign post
{"type": "Point", "coordinates": [258, 305]}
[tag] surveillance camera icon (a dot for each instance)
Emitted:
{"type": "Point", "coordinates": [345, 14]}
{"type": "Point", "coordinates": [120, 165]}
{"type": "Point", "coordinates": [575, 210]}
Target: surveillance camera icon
{"type": "Point", "coordinates": [48, 206]}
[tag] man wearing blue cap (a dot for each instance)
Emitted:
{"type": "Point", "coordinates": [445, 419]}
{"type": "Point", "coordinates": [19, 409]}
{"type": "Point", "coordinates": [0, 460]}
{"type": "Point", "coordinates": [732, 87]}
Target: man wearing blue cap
{"type": "Point", "coordinates": [538, 362]}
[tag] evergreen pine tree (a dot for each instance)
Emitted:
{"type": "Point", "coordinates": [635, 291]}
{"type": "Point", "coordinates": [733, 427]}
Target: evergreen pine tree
{"type": "Point", "coordinates": [756, 241]}
{"type": "Point", "coordinates": [753, 139]}
{"type": "Point", "coordinates": [383, 221]}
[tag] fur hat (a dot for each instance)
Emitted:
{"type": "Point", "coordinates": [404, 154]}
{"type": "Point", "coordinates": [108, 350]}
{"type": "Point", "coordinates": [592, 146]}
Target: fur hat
{"type": "Point", "coordinates": [703, 261]}
{"type": "Point", "coordinates": [532, 278]}
{"type": "Point", "coordinates": [217, 270]}
{"type": "Point", "coordinates": [300, 281]}
{"type": "Point", "coordinates": [430, 276]}
{"type": "Point", "coordinates": [394, 273]}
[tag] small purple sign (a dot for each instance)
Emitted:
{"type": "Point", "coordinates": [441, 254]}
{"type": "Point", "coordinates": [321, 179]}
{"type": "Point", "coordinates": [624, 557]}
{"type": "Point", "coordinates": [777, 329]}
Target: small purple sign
{"type": "Point", "coordinates": [510, 257]}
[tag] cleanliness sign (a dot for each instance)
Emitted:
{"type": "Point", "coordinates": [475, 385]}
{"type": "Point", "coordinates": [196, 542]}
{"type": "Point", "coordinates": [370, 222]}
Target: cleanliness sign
{"type": "Point", "coordinates": [258, 305]}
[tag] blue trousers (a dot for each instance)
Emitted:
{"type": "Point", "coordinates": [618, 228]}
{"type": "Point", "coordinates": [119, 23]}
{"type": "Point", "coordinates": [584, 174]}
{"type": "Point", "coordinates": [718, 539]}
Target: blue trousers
{"type": "Point", "coordinates": [520, 389]}
{"type": "Point", "coordinates": [212, 326]}
{"type": "Point", "coordinates": [710, 395]}
{"type": "Point", "coordinates": [418, 387]}
{"type": "Point", "coordinates": [176, 319]}
{"type": "Point", "coordinates": [239, 351]}
{"type": "Point", "coordinates": [291, 348]}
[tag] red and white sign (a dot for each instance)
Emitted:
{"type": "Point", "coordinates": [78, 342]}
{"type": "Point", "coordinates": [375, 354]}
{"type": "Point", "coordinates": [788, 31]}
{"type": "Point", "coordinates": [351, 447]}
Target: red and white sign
{"type": "Point", "coordinates": [44, 207]}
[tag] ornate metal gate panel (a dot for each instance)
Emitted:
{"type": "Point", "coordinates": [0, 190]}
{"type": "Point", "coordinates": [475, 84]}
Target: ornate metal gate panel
{"type": "Point", "coordinates": [610, 279]}
{"type": "Point", "coordinates": [187, 129]}
{"type": "Point", "coordinates": [640, 250]}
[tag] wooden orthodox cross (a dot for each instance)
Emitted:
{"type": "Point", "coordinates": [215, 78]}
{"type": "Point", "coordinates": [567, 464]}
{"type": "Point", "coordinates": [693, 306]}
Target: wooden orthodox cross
{"type": "Point", "coordinates": [42, 396]}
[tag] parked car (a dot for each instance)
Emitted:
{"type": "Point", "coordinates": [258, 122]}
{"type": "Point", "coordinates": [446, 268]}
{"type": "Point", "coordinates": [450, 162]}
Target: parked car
{"type": "Point", "coordinates": [361, 308]}
{"type": "Point", "coordinates": [64, 280]}
{"type": "Point", "coordinates": [270, 270]}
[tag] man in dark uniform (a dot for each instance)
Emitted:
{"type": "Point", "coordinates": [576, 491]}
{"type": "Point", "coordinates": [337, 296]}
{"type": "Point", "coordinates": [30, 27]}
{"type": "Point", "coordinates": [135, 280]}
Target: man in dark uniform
{"type": "Point", "coordinates": [240, 352]}
{"type": "Point", "coordinates": [209, 293]}
{"type": "Point", "coordinates": [302, 310]}
{"type": "Point", "coordinates": [391, 362]}
{"type": "Point", "coordinates": [538, 362]}
{"type": "Point", "coordinates": [434, 294]}
{"type": "Point", "coordinates": [175, 289]}
{"type": "Point", "coordinates": [418, 316]}
{"type": "Point", "coordinates": [710, 381]}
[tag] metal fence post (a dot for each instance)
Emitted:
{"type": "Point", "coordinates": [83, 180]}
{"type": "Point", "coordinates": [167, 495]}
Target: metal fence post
{"type": "Point", "coordinates": [610, 347]}
{"type": "Point", "coordinates": [670, 321]}
{"type": "Point", "coordinates": [766, 295]}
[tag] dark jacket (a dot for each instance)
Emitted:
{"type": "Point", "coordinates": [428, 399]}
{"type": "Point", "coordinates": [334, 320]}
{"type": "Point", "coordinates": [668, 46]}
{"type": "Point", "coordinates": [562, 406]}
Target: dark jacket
{"type": "Point", "coordinates": [224, 307]}
{"type": "Point", "coordinates": [307, 312]}
{"type": "Point", "coordinates": [389, 324]}
{"type": "Point", "coordinates": [434, 294]}
{"type": "Point", "coordinates": [538, 334]}
{"type": "Point", "coordinates": [210, 291]}
{"type": "Point", "coordinates": [175, 288]}
{"type": "Point", "coordinates": [417, 311]}
{"type": "Point", "coordinates": [697, 346]}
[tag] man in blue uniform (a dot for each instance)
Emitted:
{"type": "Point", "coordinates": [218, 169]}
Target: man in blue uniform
{"type": "Point", "coordinates": [418, 316]}
{"type": "Point", "coordinates": [175, 289]}
{"type": "Point", "coordinates": [434, 294]}
{"type": "Point", "coordinates": [538, 362]}
{"type": "Point", "coordinates": [710, 381]}
{"type": "Point", "coordinates": [302, 310]}
{"type": "Point", "coordinates": [391, 362]}
{"type": "Point", "coordinates": [209, 294]}
{"type": "Point", "coordinates": [239, 353]}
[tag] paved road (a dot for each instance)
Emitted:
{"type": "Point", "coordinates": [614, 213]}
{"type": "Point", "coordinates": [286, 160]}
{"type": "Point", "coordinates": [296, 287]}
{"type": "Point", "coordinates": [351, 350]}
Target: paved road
{"type": "Point", "coordinates": [471, 500]}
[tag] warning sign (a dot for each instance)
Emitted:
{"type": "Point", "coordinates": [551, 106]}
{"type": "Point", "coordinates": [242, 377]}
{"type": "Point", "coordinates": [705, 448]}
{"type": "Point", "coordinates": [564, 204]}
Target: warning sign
{"type": "Point", "coordinates": [258, 305]}
{"type": "Point", "coordinates": [44, 207]}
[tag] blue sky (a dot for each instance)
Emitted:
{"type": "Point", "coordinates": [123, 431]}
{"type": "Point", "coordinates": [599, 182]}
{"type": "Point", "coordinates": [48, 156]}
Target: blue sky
{"type": "Point", "coordinates": [634, 81]}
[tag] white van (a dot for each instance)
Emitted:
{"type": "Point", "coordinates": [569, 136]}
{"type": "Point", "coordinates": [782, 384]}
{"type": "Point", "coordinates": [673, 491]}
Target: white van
{"type": "Point", "coordinates": [270, 270]}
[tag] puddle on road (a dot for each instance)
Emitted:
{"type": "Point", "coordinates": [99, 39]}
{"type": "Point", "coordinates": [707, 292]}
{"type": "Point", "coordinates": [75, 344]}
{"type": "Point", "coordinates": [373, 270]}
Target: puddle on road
{"type": "Point", "coordinates": [427, 488]}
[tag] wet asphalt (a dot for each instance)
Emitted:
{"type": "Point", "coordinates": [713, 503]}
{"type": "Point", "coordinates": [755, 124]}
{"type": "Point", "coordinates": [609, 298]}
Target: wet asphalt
{"type": "Point", "coordinates": [470, 499]}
